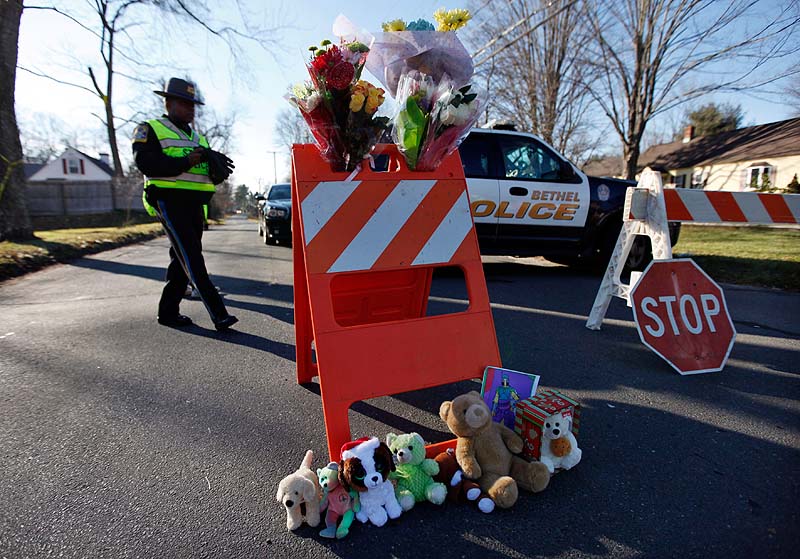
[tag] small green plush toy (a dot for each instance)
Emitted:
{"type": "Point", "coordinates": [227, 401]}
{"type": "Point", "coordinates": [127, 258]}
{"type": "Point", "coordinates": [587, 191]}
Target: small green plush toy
{"type": "Point", "coordinates": [337, 501]}
{"type": "Point", "coordinates": [414, 471]}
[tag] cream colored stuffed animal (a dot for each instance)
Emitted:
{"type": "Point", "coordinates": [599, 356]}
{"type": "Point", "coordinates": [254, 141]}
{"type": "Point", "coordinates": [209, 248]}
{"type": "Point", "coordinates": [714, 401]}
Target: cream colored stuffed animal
{"type": "Point", "coordinates": [559, 447]}
{"type": "Point", "coordinates": [301, 488]}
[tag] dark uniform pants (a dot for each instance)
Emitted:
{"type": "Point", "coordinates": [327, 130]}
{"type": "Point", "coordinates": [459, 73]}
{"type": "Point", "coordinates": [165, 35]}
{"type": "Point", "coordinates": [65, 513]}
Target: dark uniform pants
{"type": "Point", "coordinates": [184, 226]}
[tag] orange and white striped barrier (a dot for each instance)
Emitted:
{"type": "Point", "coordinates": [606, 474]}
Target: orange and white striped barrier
{"type": "Point", "coordinates": [648, 208]}
{"type": "Point", "coordinates": [415, 222]}
{"type": "Point", "coordinates": [364, 254]}
{"type": "Point", "coordinates": [731, 207]}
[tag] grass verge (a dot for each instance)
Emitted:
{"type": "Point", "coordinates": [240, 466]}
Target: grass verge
{"type": "Point", "coordinates": [61, 245]}
{"type": "Point", "coordinates": [762, 256]}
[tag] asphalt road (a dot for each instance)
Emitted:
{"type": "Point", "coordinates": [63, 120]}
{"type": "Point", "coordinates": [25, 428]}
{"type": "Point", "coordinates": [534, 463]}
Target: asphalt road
{"type": "Point", "coordinates": [122, 438]}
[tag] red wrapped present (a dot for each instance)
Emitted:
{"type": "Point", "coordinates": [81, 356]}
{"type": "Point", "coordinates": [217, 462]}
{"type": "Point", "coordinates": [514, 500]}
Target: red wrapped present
{"type": "Point", "coordinates": [530, 415]}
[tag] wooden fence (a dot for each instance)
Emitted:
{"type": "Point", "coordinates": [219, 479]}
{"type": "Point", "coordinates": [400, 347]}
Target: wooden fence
{"type": "Point", "coordinates": [80, 198]}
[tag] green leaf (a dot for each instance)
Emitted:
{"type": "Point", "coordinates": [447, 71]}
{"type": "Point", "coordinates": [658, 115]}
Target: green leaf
{"type": "Point", "coordinates": [411, 129]}
{"type": "Point", "coordinates": [470, 98]}
{"type": "Point", "coordinates": [465, 89]}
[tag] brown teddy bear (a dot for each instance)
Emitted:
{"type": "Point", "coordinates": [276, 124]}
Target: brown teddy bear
{"type": "Point", "coordinates": [485, 451]}
{"type": "Point", "coordinates": [459, 488]}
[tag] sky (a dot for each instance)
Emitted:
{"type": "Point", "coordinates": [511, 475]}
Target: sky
{"type": "Point", "coordinates": [254, 90]}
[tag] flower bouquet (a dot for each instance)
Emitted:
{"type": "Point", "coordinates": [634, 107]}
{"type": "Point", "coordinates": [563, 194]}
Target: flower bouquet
{"type": "Point", "coordinates": [418, 45]}
{"type": "Point", "coordinates": [432, 119]}
{"type": "Point", "coordinates": [338, 106]}
{"type": "Point", "coordinates": [427, 69]}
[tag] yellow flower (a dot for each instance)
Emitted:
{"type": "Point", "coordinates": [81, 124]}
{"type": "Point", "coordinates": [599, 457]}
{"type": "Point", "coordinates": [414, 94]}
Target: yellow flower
{"type": "Point", "coordinates": [451, 20]}
{"type": "Point", "coordinates": [356, 102]}
{"type": "Point", "coordinates": [374, 100]}
{"type": "Point", "coordinates": [394, 25]}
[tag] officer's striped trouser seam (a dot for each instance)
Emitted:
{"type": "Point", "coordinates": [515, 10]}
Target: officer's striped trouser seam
{"type": "Point", "coordinates": [184, 258]}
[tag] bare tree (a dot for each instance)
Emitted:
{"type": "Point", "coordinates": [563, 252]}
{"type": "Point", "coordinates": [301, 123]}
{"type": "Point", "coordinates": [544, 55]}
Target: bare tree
{"type": "Point", "coordinates": [45, 135]}
{"type": "Point", "coordinates": [114, 20]}
{"type": "Point", "coordinates": [290, 128]}
{"type": "Point", "coordinates": [530, 53]}
{"type": "Point", "coordinates": [654, 55]}
{"type": "Point", "coordinates": [14, 220]}
{"type": "Point", "coordinates": [792, 92]}
{"type": "Point", "coordinates": [217, 127]}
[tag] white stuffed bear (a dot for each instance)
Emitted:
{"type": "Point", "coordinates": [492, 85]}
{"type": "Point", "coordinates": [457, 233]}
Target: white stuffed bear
{"type": "Point", "coordinates": [559, 447]}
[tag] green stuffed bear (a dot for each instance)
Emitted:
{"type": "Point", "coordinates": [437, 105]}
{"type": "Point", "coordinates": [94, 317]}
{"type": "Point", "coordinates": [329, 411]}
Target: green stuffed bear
{"type": "Point", "coordinates": [414, 472]}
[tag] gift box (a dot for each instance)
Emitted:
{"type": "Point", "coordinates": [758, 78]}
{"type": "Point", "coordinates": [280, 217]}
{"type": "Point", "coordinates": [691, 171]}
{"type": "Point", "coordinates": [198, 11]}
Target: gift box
{"type": "Point", "coordinates": [530, 415]}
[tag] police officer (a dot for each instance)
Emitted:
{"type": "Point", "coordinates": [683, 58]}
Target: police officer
{"type": "Point", "coordinates": [174, 160]}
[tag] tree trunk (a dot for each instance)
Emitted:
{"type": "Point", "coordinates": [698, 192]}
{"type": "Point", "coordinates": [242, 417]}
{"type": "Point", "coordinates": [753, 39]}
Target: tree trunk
{"type": "Point", "coordinates": [630, 159]}
{"type": "Point", "coordinates": [14, 220]}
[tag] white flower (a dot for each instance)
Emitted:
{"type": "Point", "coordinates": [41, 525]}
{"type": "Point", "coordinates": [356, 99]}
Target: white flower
{"type": "Point", "coordinates": [448, 115]}
{"type": "Point", "coordinates": [462, 114]}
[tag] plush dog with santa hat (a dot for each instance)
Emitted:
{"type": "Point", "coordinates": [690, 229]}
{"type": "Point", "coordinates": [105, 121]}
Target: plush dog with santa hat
{"type": "Point", "coordinates": [365, 467]}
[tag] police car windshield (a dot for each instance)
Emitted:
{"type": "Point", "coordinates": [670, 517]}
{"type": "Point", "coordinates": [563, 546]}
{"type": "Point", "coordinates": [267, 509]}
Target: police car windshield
{"type": "Point", "coordinates": [279, 192]}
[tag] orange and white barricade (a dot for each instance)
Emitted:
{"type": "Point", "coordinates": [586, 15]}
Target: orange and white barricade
{"type": "Point", "coordinates": [648, 208]}
{"type": "Point", "coordinates": [365, 247]}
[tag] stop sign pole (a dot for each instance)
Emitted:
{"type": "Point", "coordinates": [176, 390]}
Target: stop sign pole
{"type": "Point", "coordinates": [681, 314]}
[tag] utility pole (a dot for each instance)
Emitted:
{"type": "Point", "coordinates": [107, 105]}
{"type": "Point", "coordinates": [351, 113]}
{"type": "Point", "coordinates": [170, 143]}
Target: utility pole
{"type": "Point", "coordinates": [274, 165]}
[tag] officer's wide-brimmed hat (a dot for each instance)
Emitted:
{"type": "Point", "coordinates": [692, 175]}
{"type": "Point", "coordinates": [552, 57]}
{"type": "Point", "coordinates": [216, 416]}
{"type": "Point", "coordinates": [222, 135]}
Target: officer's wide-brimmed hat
{"type": "Point", "coordinates": [181, 89]}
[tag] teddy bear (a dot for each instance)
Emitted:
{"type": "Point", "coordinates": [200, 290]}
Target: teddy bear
{"type": "Point", "coordinates": [486, 450]}
{"type": "Point", "coordinates": [336, 501]}
{"type": "Point", "coordinates": [413, 471]}
{"type": "Point", "coordinates": [559, 446]}
{"type": "Point", "coordinates": [459, 488]}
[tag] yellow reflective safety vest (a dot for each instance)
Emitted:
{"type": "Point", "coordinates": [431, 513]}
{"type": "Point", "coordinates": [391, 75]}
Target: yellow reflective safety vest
{"type": "Point", "coordinates": [176, 143]}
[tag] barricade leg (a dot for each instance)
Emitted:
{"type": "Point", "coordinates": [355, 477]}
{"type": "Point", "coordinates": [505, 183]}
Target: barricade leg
{"type": "Point", "coordinates": [653, 223]}
{"type": "Point", "coordinates": [303, 330]}
{"type": "Point", "coordinates": [337, 425]}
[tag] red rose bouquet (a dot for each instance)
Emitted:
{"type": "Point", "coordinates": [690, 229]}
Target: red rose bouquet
{"type": "Point", "coordinates": [338, 106]}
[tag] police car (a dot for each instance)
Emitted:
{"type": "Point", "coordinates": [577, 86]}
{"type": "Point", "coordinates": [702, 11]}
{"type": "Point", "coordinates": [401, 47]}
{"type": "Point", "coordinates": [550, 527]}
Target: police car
{"type": "Point", "coordinates": [529, 200]}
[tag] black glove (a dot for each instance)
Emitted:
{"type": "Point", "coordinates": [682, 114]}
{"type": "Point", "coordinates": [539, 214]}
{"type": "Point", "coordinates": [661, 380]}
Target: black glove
{"type": "Point", "coordinates": [220, 166]}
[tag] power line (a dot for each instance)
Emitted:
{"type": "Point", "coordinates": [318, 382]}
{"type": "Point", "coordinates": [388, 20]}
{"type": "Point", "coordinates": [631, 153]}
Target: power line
{"type": "Point", "coordinates": [508, 30]}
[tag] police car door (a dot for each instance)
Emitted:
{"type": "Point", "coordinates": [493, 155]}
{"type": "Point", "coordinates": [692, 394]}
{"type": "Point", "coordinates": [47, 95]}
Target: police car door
{"type": "Point", "coordinates": [479, 164]}
{"type": "Point", "coordinates": [544, 202]}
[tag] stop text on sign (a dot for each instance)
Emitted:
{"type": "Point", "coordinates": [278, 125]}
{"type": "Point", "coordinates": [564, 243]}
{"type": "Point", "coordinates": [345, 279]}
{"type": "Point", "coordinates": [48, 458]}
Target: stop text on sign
{"type": "Point", "coordinates": [694, 316]}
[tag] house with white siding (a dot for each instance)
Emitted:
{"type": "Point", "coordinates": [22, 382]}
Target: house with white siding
{"type": "Point", "coordinates": [74, 165]}
{"type": "Point", "coordinates": [763, 157]}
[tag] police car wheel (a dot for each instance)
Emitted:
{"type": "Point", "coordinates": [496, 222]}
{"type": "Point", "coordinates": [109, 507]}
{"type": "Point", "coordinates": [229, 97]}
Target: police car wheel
{"type": "Point", "coordinates": [640, 255]}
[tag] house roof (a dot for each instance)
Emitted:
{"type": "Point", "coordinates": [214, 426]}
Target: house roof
{"type": "Point", "coordinates": [610, 166]}
{"type": "Point", "coordinates": [104, 166]}
{"type": "Point", "coordinates": [764, 141]}
{"type": "Point", "coordinates": [30, 169]}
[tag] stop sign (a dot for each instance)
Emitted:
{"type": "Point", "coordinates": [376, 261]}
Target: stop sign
{"type": "Point", "coordinates": [681, 314]}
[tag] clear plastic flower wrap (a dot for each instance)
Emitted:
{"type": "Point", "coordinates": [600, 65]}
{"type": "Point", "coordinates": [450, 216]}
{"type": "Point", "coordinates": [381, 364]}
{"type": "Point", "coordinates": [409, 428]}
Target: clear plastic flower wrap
{"type": "Point", "coordinates": [434, 53]}
{"type": "Point", "coordinates": [340, 108]}
{"type": "Point", "coordinates": [432, 119]}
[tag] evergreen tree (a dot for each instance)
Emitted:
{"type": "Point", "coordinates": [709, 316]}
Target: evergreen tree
{"type": "Point", "coordinates": [712, 119]}
{"type": "Point", "coordinates": [794, 186]}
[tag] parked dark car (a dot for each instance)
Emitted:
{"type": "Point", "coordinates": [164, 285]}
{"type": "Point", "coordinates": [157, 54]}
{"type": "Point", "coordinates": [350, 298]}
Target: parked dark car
{"type": "Point", "coordinates": [275, 215]}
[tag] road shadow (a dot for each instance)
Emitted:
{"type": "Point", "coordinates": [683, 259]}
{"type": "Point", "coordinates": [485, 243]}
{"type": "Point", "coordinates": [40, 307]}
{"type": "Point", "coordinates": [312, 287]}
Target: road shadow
{"type": "Point", "coordinates": [237, 337]}
{"type": "Point", "coordinates": [230, 285]}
